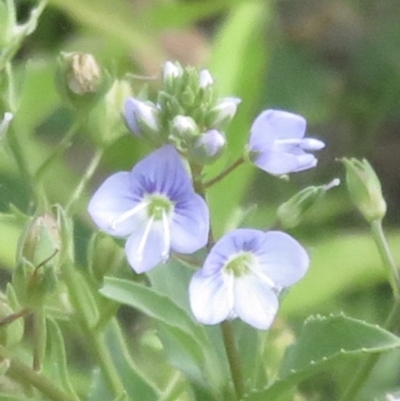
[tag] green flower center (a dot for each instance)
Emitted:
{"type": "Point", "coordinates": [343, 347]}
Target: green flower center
{"type": "Point", "coordinates": [240, 264]}
{"type": "Point", "coordinates": [158, 206]}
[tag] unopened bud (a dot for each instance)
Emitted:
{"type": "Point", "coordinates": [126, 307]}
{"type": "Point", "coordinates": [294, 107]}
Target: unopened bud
{"type": "Point", "coordinates": [365, 189]}
{"type": "Point", "coordinates": [83, 73]}
{"type": "Point", "coordinates": [208, 147]}
{"type": "Point", "coordinates": [292, 212]}
{"type": "Point", "coordinates": [105, 118]}
{"type": "Point", "coordinates": [184, 127]}
{"type": "Point", "coordinates": [143, 119]}
{"type": "Point", "coordinates": [221, 115]}
{"type": "Point", "coordinates": [81, 78]}
{"type": "Point", "coordinates": [205, 79]}
{"type": "Point", "coordinates": [171, 71]}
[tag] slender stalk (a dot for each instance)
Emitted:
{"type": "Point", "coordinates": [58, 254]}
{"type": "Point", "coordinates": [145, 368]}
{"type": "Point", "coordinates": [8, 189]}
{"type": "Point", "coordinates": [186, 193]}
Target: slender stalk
{"type": "Point", "coordinates": [226, 326]}
{"type": "Point", "coordinates": [233, 358]}
{"type": "Point", "coordinates": [392, 321]}
{"type": "Point", "coordinates": [22, 373]}
{"type": "Point", "coordinates": [224, 173]}
{"type": "Point", "coordinates": [59, 149]}
{"type": "Point", "coordinates": [85, 178]}
{"type": "Point", "coordinates": [387, 258]}
{"type": "Point", "coordinates": [14, 316]}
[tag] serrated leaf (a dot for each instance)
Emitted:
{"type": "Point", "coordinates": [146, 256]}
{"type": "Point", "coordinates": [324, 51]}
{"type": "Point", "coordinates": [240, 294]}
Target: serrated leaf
{"type": "Point", "coordinates": [322, 341]}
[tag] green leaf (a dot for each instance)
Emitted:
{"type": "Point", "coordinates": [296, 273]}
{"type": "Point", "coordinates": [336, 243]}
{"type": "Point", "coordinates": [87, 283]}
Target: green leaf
{"type": "Point", "coordinates": [136, 385]}
{"type": "Point", "coordinates": [322, 341]}
{"type": "Point", "coordinates": [151, 303]}
{"type": "Point", "coordinates": [186, 343]}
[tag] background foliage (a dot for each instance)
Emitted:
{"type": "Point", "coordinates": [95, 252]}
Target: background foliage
{"type": "Point", "coordinates": [336, 63]}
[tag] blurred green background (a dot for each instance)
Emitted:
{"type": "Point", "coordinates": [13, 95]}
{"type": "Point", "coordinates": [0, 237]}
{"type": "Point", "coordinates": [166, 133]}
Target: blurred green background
{"type": "Point", "coordinates": [335, 62]}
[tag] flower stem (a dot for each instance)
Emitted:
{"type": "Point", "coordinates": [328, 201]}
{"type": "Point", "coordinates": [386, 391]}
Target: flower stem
{"type": "Point", "coordinates": [392, 320]}
{"type": "Point", "coordinates": [61, 147]}
{"type": "Point", "coordinates": [22, 373]}
{"type": "Point", "coordinates": [233, 358]}
{"type": "Point", "coordinates": [387, 257]}
{"type": "Point", "coordinates": [85, 178]}
{"type": "Point", "coordinates": [224, 173]}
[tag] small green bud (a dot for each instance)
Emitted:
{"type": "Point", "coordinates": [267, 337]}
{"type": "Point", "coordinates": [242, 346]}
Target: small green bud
{"type": "Point", "coordinates": [81, 79]}
{"type": "Point", "coordinates": [292, 212]}
{"type": "Point", "coordinates": [38, 259]}
{"type": "Point", "coordinates": [365, 189]}
{"type": "Point", "coordinates": [42, 239]}
{"type": "Point", "coordinates": [106, 118]}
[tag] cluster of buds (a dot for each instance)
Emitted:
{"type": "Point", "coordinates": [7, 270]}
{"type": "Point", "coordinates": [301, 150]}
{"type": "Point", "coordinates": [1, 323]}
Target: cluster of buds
{"type": "Point", "coordinates": [187, 114]}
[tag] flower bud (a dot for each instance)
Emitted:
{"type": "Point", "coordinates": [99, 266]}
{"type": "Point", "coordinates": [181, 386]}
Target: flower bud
{"type": "Point", "coordinates": [365, 189]}
{"type": "Point", "coordinates": [143, 119]}
{"type": "Point", "coordinates": [205, 79]}
{"type": "Point", "coordinates": [291, 213]}
{"type": "Point", "coordinates": [105, 118]}
{"type": "Point", "coordinates": [184, 127]}
{"type": "Point", "coordinates": [38, 259]}
{"type": "Point", "coordinates": [208, 147]}
{"type": "Point", "coordinates": [221, 115]}
{"type": "Point", "coordinates": [171, 71]}
{"type": "Point", "coordinates": [5, 123]}
{"type": "Point", "coordinates": [81, 78]}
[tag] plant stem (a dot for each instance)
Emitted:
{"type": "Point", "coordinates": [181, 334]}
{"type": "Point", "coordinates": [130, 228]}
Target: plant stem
{"type": "Point", "coordinates": [85, 178]}
{"type": "Point", "coordinates": [224, 173]}
{"type": "Point", "coordinates": [22, 373]}
{"type": "Point", "coordinates": [387, 258]}
{"type": "Point", "coordinates": [233, 358]}
{"type": "Point", "coordinates": [60, 148]}
{"type": "Point", "coordinates": [392, 320]}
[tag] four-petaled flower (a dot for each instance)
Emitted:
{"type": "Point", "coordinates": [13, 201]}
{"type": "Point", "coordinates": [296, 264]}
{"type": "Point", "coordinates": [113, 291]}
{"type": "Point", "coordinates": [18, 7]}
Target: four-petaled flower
{"type": "Point", "coordinates": [155, 207]}
{"type": "Point", "coordinates": [277, 144]}
{"type": "Point", "coordinates": [243, 274]}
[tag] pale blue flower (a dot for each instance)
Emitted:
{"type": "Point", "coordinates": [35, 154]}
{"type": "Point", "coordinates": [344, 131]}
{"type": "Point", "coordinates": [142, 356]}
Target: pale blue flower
{"type": "Point", "coordinates": [277, 144]}
{"type": "Point", "coordinates": [243, 275]}
{"type": "Point", "coordinates": [208, 146]}
{"type": "Point", "coordinates": [155, 207]}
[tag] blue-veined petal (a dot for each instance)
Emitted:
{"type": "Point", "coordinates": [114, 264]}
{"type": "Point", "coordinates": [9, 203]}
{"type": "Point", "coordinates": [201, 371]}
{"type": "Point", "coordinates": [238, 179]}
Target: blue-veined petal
{"type": "Point", "coordinates": [254, 301]}
{"type": "Point", "coordinates": [210, 300]}
{"type": "Point", "coordinates": [231, 244]}
{"type": "Point", "coordinates": [280, 163]}
{"type": "Point", "coordinates": [190, 225]}
{"type": "Point", "coordinates": [145, 247]}
{"type": "Point", "coordinates": [271, 125]}
{"type": "Point", "coordinates": [110, 201]}
{"type": "Point", "coordinates": [281, 259]}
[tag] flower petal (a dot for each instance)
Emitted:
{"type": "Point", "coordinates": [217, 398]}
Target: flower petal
{"type": "Point", "coordinates": [145, 250]}
{"type": "Point", "coordinates": [279, 163]}
{"type": "Point", "coordinates": [243, 239]}
{"type": "Point", "coordinates": [209, 298]}
{"type": "Point", "coordinates": [130, 108]}
{"type": "Point", "coordinates": [190, 225]}
{"type": "Point", "coordinates": [273, 125]}
{"type": "Point", "coordinates": [110, 201]}
{"type": "Point", "coordinates": [281, 259]}
{"type": "Point", "coordinates": [162, 172]}
{"type": "Point", "coordinates": [254, 301]}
